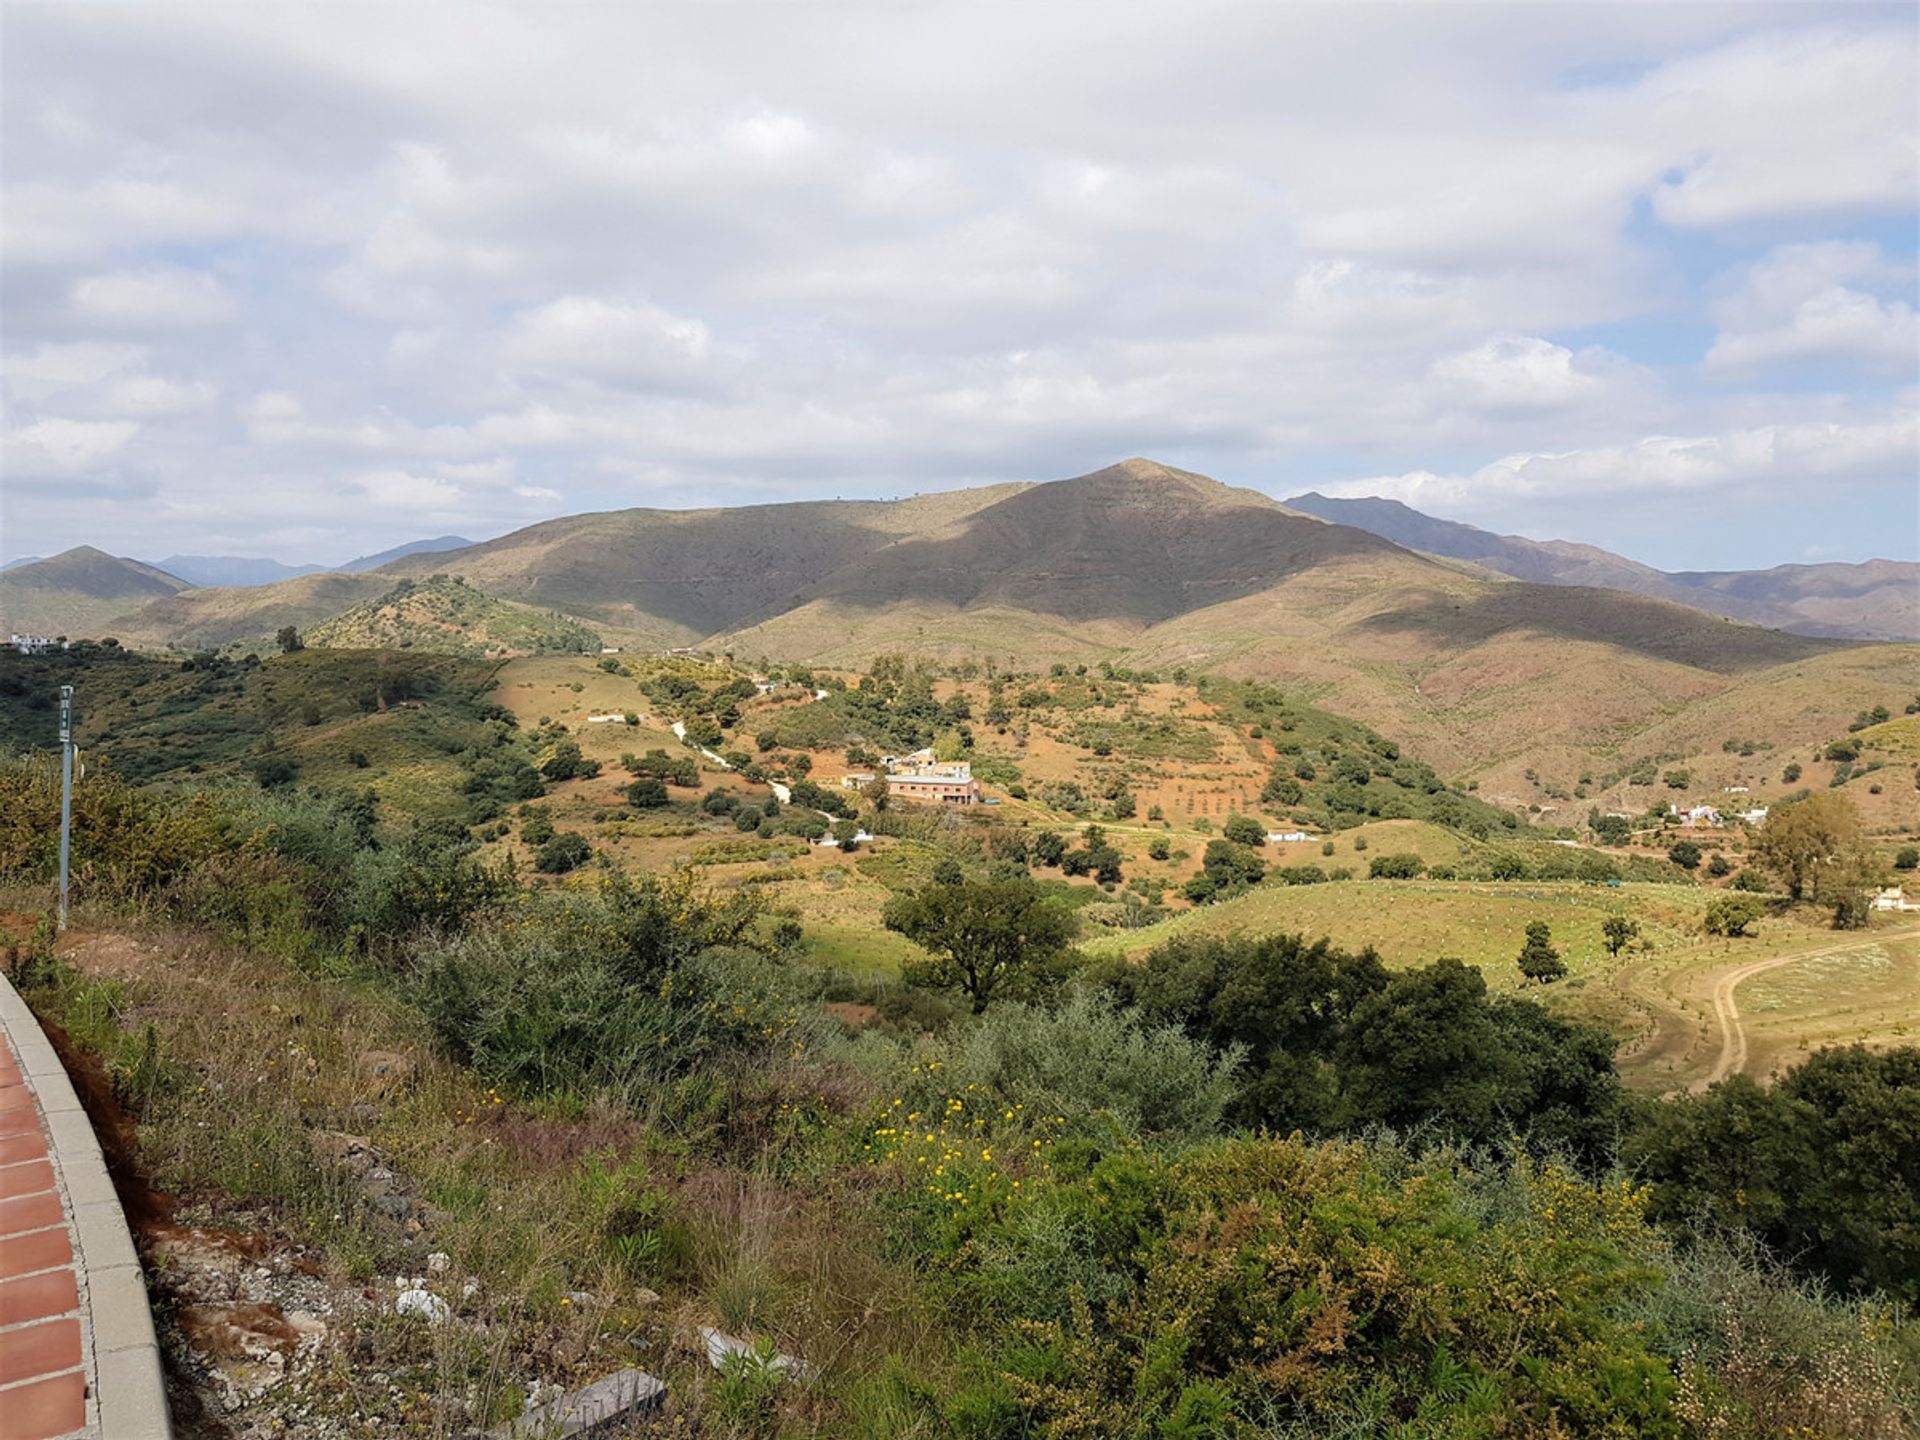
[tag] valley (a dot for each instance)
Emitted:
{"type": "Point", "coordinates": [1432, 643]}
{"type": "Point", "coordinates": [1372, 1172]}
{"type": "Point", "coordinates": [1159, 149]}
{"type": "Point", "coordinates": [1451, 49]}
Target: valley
{"type": "Point", "coordinates": [781, 952]}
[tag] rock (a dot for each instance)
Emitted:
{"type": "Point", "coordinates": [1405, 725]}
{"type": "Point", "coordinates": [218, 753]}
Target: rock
{"type": "Point", "coordinates": [438, 1262]}
{"type": "Point", "coordinates": [423, 1303]}
{"type": "Point", "coordinates": [598, 1406]}
{"type": "Point", "coordinates": [721, 1348]}
{"type": "Point", "coordinates": [390, 1207]}
{"type": "Point", "coordinates": [644, 1297]}
{"type": "Point", "coordinates": [352, 1153]}
{"type": "Point", "coordinates": [384, 1071]}
{"type": "Point", "coordinates": [580, 1297]}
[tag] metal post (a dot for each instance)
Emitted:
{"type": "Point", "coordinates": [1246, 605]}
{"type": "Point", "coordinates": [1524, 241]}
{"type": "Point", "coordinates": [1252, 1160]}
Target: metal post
{"type": "Point", "coordinates": [66, 792]}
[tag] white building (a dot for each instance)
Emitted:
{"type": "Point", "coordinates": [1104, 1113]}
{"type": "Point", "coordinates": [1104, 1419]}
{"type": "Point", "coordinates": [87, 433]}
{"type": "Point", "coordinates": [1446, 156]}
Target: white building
{"type": "Point", "coordinates": [1894, 898]}
{"type": "Point", "coordinates": [1285, 837]}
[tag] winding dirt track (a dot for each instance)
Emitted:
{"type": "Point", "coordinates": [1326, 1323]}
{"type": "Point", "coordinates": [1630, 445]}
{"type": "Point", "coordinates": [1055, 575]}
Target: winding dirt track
{"type": "Point", "coordinates": [1726, 1010]}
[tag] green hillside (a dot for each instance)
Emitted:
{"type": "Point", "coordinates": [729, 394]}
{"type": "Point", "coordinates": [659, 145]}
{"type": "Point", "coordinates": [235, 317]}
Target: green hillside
{"type": "Point", "coordinates": [444, 615]}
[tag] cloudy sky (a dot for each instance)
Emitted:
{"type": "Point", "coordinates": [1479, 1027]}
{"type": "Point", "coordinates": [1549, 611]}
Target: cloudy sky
{"type": "Point", "coordinates": [306, 281]}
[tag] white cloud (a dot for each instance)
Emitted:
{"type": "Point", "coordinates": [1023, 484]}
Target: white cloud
{"type": "Point", "coordinates": [155, 396]}
{"type": "Point", "coordinates": [53, 369]}
{"type": "Point", "coordinates": [1523, 372]}
{"type": "Point", "coordinates": [607, 340]}
{"type": "Point", "coordinates": [1803, 302]}
{"type": "Point", "coordinates": [1788, 122]}
{"type": "Point", "coordinates": [60, 445]}
{"type": "Point", "coordinates": [403, 490]}
{"type": "Point", "coordinates": [156, 298]}
{"type": "Point", "coordinates": [846, 253]}
{"type": "Point", "coordinates": [1766, 460]}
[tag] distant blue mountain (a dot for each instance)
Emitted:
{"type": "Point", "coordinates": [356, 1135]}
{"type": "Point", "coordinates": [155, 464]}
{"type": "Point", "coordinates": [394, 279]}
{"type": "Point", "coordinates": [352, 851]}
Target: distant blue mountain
{"type": "Point", "coordinates": [231, 569]}
{"type": "Point", "coordinates": [412, 547]}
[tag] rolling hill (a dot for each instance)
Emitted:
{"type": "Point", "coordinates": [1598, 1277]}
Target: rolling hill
{"type": "Point", "coordinates": [74, 591]}
{"type": "Point", "coordinates": [1489, 676]}
{"type": "Point", "coordinates": [1875, 600]}
{"type": "Point", "coordinates": [444, 616]}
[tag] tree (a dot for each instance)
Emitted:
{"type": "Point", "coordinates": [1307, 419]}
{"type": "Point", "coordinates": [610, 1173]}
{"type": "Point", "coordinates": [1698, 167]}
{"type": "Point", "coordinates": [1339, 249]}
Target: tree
{"type": "Point", "coordinates": [1609, 829]}
{"type": "Point", "coordinates": [537, 828]}
{"type": "Point", "coordinates": [288, 639]}
{"type": "Point", "coordinates": [647, 794]}
{"type": "Point", "coordinates": [1907, 858]}
{"type": "Point", "coordinates": [1538, 959]}
{"type": "Point", "coordinates": [565, 851]}
{"type": "Point", "coordinates": [847, 833]}
{"type": "Point", "coordinates": [1791, 773]}
{"type": "Point", "coordinates": [1718, 865]}
{"type": "Point", "coordinates": [1820, 1164]}
{"type": "Point", "coordinates": [1731, 913]}
{"type": "Point", "coordinates": [1245, 830]}
{"type": "Point", "coordinates": [1048, 847]}
{"type": "Point", "coordinates": [1808, 843]}
{"type": "Point", "coordinates": [876, 792]}
{"type": "Point", "coordinates": [1685, 854]}
{"type": "Point", "coordinates": [1281, 789]}
{"type": "Point", "coordinates": [1159, 848]}
{"type": "Point", "coordinates": [1395, 867]}
{"type": "Point", "coordinates": [1618, 931]}
{"type": "Point", "coordinates": [983, 938]}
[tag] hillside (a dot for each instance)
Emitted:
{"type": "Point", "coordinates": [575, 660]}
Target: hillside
{"type": "Point", "coordinates": [445, 616]}
{"type": "Point", "coordinates": [227, 615]}
{"type": "Point", "coordinates": [1877, 600]}
{"type": "Point", "coordinates": [677, 576]}
{"type": "Point", "coordinates": [72, 592]}
{"type": "Point", "coordinates": [1142, 565]}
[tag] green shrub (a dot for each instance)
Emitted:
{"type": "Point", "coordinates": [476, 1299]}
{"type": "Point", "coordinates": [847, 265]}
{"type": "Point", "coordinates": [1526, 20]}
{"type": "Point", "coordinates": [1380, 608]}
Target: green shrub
{"type": "Point", "coordinates": [612, 988]}
{"type": "Point", "coordinates": [564, 852]}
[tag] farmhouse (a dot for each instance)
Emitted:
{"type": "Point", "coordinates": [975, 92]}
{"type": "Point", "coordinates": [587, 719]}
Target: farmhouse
{"type": "Point", "coordinates": [920, 777]}
{"type": "Point", "coordinates": [1894, 898]}
{"type": "Point", "coordinates": [35, 644]}
{"type": "Point", "coordinates": [1282, 837]}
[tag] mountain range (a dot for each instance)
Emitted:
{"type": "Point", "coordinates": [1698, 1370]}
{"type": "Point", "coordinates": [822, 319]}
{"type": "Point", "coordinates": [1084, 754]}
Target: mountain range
{"type": "Point", "coordinates": [220, 570]}
{"type": "Point", "coordinates": [1874, 600]}
{"type": "Point", "coordinates": [1511, 658]}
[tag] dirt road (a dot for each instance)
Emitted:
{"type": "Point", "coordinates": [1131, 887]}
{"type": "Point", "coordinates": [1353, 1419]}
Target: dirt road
{"type": "Point", "coordinates": [1726, 1009]}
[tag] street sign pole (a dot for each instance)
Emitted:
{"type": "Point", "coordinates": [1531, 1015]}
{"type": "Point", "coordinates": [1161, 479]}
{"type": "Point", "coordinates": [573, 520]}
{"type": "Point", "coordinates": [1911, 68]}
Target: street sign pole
{"type": "Point", "coordinates": [66, 792]}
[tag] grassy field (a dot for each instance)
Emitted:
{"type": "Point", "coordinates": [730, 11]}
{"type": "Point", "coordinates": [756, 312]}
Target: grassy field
{"type": "Point", "coordinates": [1413, 922]}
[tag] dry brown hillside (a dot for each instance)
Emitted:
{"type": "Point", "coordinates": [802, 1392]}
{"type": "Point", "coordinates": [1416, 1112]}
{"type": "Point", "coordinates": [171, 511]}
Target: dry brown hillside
{"type": "Point", "coordinates": [72, 592]}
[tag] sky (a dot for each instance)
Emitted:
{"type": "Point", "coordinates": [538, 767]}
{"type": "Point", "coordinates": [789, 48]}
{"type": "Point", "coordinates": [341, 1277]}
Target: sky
{"type": "Point", "coordinates": [306, 281]}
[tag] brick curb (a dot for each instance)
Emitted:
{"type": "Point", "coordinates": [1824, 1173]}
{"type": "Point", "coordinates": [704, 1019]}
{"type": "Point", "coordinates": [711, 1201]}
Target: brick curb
{"type": "Point", "coordinates": [123, 1359]}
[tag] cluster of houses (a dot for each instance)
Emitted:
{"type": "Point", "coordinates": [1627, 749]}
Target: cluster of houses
{"type": "Point", "coordinates": [35, 644]}
{"type": "Point", "coordinates": [920, 777]}
{"type": "Point", "coordinates": [1710, 817]}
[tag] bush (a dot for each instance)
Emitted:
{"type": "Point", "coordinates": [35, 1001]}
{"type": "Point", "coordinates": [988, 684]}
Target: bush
{"type": "Point", "coordinates": [537, 828]}
{"type": "Point", "coordinates": [1395, 867]}
{"type": "Point", "coordinates": [1101, 1067]}
{"type": "Point", "coordinates": [1127, 1296]}
{"type": "Point", "coordinates": [646, 794]}
{"type": "Point", "coordinates": [1685, 854]}
{"type": "Point", "coordinates": [1906, 858]}
{"type": "Point", "coordinates": [614, 989]}
{"type": "Point", "coordinates": [564, 852]}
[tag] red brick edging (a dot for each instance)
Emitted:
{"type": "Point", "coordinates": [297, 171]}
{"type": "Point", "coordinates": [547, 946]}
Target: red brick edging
{"type": "Point", "coordinates": [77, 1350]}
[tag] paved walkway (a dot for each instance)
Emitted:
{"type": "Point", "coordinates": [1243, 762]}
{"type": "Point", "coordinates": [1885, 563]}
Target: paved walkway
{"type": "Point", "coordinates": [77, 1352]}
